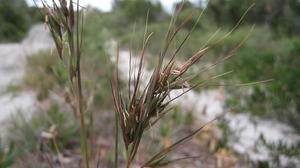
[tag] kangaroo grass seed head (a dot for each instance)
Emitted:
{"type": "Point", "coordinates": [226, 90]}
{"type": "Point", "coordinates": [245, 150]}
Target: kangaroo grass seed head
{"type": "Point", "coordinates": [66, 27]}
{"type": "Point", "coordinates": [144, 106]}
{"type": "Point", "coordinates": [60, 19]}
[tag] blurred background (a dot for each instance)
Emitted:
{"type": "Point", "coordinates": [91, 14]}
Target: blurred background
{"type": "Point", "coordinates": [261, 126]}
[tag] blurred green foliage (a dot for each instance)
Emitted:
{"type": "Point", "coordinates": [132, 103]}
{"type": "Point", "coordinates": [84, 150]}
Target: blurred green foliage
{"type": "Point", "coordinates": [26, 134]}
{"type": "Point", "coordinates": [279, 149]}
{"type": "Point", "coordinates": [7, 155]}
{"type": "Point", "coordinates": [51, 76]}
{"type": "Point", "coordinates": [137, 10]}
{"type": "Point", "coordinates": [16, 18]}
{"type": "Point", "coordinates": [279, 15]}
{"type": "Point", "coordinates": [262, 57]}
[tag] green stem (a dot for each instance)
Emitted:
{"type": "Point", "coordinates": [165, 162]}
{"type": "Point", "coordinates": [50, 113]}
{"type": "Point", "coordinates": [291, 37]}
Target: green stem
{"type": "Point", "coordinates": [82, 123]}
{"type": "Point", "coordinates": [116, 141]}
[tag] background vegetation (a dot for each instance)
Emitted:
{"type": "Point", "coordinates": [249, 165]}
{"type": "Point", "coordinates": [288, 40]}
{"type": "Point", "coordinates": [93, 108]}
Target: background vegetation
{"type": "Point", "coordinates": [16, 18]}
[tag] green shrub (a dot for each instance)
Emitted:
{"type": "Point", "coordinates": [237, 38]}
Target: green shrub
{"type": "Point", "coordinates": [7, 156]}
{"type": "Point", "coordinates": [264, 56]}
{"type": "Point", "coordinates": [26, 134]}
{"type": "Point", "coordinates": [134, 11]}
{"type": "Point", "coordinates": [14, 20]}
{"type": "Point", "coordinates": [47, 74]}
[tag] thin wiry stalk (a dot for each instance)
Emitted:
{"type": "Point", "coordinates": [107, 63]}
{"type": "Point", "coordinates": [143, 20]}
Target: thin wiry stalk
{"type": "Point", "coordinates": [66, 30]}
{"type": "Point", "coordinates": [117, 128]}
{"type": "Point", "coordinates": [48, 161]}
{"type": "Point", "coordinates": [57, 150]}
{"type": "Point", "coordinates": [82, 122]}
{"type": "Point", "coordinates": [116, 140]}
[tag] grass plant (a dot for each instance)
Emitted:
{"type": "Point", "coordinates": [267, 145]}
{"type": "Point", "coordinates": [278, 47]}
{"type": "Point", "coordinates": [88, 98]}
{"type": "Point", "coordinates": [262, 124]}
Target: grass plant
{"type": "Point", "coordinates": [139, 107]}
{"type": "Point", "coordinates": [7, 155]}
{"type": "Point", "coordinates": [34, 137]}
{"type": "Point", "coordinates": [66, 27]}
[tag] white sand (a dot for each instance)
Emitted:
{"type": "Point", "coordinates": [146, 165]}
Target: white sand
{"type": "Point", "coordinates": [12, 64]}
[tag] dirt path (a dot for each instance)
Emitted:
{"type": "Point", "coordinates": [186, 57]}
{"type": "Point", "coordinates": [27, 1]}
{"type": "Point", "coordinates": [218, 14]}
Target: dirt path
{"type": "Point", "coordinates": [12, 64]}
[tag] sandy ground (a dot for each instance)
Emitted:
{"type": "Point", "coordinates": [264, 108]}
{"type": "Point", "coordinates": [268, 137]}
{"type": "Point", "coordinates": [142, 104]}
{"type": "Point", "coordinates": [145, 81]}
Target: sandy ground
{"type": "Point", "coordinates": [12, 64]}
